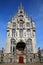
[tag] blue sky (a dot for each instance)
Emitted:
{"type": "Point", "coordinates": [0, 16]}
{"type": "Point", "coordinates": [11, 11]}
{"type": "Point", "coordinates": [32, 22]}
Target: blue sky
{"type": "Point", "coordinates": [34, 8]}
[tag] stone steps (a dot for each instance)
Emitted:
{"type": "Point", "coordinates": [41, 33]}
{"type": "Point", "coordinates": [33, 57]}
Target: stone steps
{"type": "Point", "coordinates": [21, 64]}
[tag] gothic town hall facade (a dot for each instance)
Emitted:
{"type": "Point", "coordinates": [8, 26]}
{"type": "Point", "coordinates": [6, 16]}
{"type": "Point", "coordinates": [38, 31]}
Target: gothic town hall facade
{"type": "Point", "coordinates": [21, 38]}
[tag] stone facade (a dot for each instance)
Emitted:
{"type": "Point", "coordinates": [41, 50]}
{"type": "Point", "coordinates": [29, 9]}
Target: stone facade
{"type": "Point", "coordinates": [21, 34]}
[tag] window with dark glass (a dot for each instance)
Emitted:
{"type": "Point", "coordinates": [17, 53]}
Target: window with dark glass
{"type": "Point", "coordinates": [34, 56]}
{"type": "Point", "coordinates": [13, 48]}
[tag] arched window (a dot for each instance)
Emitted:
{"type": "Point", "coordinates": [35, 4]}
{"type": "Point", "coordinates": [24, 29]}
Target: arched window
{"type": "Point", "coordinates": [29, 41]}
{"type": "Point", "coordinates": [29, 45]}
{"type": "Point", "coordinates": [13, 46]}
{"type": "Point", "coordinates": [14, 24]}
{"type": "Point", "coordinates": [13, 32]}
{"type": "Point", "coordinates": [27, 24]}
{"type": "Point", "coordinates": [28, 33]}
{"type": "Point", "coordinates": [13, 41]}
{"type": "Point", "coordinates": [21, 25]}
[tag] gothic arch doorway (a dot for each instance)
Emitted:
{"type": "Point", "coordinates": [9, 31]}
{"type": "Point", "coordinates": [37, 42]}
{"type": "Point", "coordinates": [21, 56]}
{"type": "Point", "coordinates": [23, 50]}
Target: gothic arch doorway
{"type": "Point", "coordinates": [21, 46]}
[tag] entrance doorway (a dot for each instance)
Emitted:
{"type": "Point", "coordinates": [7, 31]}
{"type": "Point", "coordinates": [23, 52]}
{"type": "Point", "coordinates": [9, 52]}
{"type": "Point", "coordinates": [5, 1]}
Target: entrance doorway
{"type": "Point", "coordinates": [21, 60]}
{"type": "Point", "coordinates": [30, 59]}
{"type": "Point", "coordinates": [20, 46]}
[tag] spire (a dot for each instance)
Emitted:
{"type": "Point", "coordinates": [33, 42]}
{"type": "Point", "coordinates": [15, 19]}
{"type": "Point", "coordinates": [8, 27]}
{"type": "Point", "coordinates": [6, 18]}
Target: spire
{"type": "Point", "coordinates": [21, 6]}
{"type": "Point", "coordinates": [20, 9]}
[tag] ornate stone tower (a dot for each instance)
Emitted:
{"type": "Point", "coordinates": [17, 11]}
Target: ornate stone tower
{"type": "Point", "coordinates": [21, 38]}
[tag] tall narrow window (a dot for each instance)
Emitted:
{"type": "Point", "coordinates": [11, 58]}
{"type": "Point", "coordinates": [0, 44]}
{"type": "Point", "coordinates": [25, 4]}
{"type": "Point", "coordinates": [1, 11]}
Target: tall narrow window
{"type": "Point", "coordinates": [14, 24]}
{"type": "Point", "coordinates": [34, 56]}
{"type": "Point", "coordinates": [29, 44]}
{"type": "Point", "coordinates": [29, 41]}
{"type": "Point", "coordinates": [28, 32]}
{"type": "Point", "coordinates": [21, 33]}
{"type": "Point", "coordinates": [12, 48]}
{"type": "Point", "coordinates": [27, 24]}
{"type": "Point", "coordinates": [13, 41]}
{"type": "Point", "coordinates": [21, 25]}
{"type": "Point", "coordinates": [33, 32]}
{"type": "Point", "coordinates": [13, 32]}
